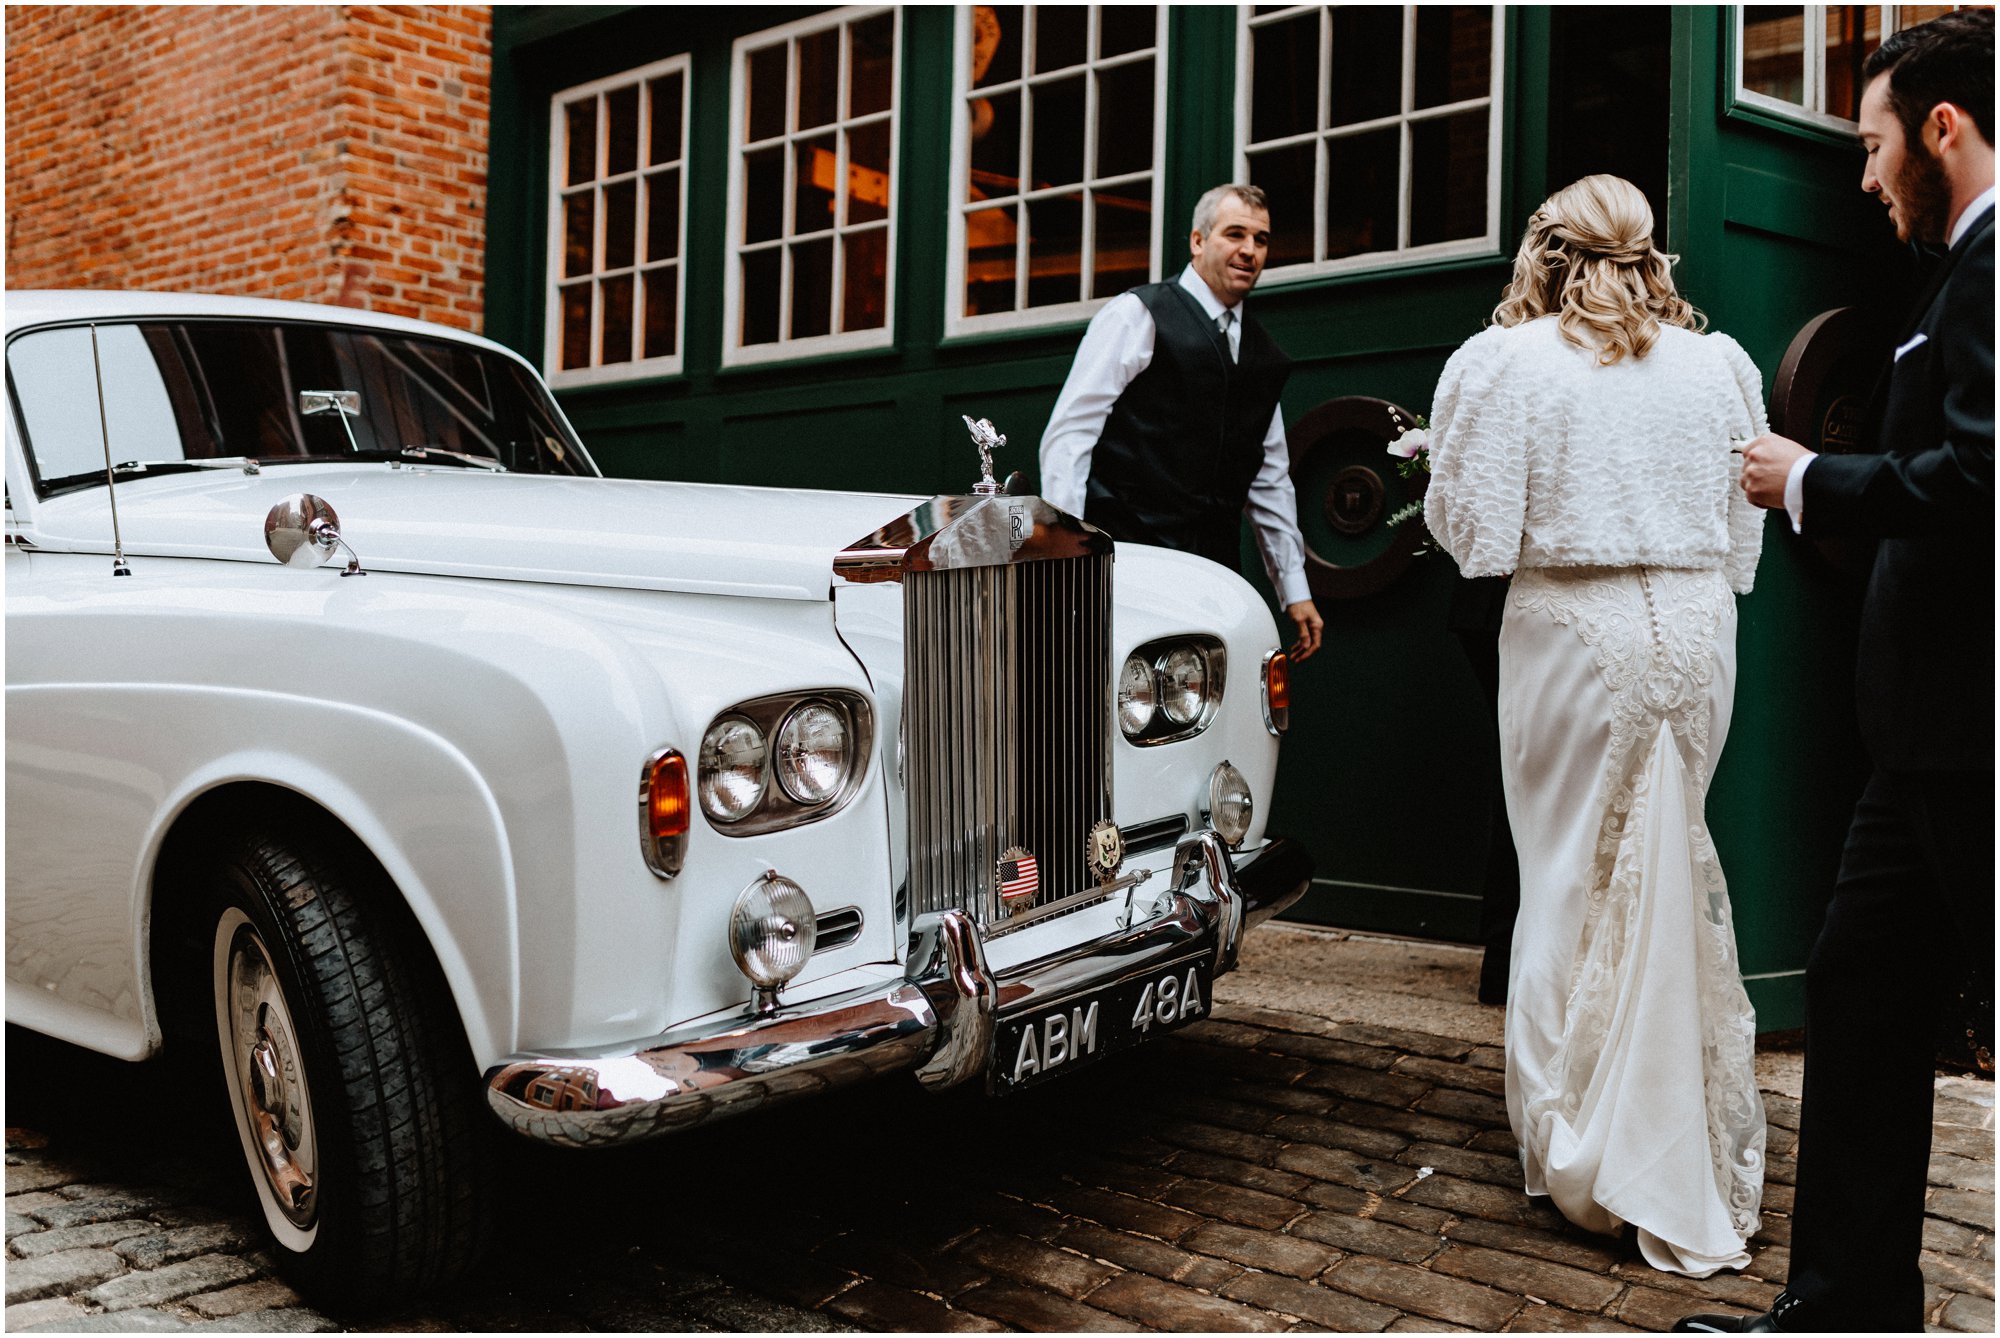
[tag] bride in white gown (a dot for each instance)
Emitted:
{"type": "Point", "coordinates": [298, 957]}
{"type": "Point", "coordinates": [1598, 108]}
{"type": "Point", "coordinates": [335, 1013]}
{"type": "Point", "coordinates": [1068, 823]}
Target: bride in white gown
{"type": "Point", "coordinates": [1583, 442]}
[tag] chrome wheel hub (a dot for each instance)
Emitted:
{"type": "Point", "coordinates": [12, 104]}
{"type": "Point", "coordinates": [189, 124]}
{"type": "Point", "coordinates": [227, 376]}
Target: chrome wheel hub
{"type": "Point", "coordinates": [267, 1081]}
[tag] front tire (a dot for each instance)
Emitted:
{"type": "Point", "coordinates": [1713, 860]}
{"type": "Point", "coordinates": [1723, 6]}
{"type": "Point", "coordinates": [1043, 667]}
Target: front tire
{"type": "Point", "coordinates": [353, 1094]}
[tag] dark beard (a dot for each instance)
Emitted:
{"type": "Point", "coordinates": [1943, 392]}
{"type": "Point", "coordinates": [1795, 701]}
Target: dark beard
{"type": "Point", "coordinates": [1923, 196]}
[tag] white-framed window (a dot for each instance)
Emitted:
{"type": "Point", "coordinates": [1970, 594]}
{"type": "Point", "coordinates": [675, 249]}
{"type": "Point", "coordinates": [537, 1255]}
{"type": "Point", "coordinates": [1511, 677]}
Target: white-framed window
{"type": "Point", "coordinates": [1802, 63]}
{"type": "Point", "coordinates": [1374, 130]}
{"type": "Point", "coordinates": [616, 288]}
{"type": "Point", "coordinates": [812, 187]}
{"type": "Point", "coordinates": [1058, 136]}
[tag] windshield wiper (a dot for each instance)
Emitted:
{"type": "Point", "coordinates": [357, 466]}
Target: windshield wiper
{"type": "Point", "coordinates": [134, 468]}
{"type": "Point", "coordinates": [429, 453]}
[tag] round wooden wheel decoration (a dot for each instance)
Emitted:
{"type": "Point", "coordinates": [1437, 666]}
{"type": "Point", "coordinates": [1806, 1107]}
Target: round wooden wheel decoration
{"type": "Point", "coordinates": [1361, 492]}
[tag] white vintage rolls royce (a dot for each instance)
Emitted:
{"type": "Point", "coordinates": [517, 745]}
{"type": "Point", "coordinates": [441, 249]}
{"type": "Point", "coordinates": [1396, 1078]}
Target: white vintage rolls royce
{"type": "Point", "coordinates": [364, 743]}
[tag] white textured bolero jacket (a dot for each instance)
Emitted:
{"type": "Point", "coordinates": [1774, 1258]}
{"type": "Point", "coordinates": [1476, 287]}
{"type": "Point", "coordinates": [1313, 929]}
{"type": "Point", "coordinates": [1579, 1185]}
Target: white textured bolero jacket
{"type": "Point", "coordinates": [1540, 457]}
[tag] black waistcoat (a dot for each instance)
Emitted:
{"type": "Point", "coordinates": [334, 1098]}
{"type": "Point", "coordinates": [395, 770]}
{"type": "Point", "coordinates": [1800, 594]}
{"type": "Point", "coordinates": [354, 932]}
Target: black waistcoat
{"type": "Point", "coordinates": [1184, 441]}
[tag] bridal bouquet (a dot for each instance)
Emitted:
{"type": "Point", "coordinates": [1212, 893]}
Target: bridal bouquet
{"type": "Point", "coordinates": [1412, 449]}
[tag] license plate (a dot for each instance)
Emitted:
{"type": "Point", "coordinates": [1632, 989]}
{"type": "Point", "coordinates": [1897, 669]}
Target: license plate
{"type": "Point", "coordinates": [1051, 1040]}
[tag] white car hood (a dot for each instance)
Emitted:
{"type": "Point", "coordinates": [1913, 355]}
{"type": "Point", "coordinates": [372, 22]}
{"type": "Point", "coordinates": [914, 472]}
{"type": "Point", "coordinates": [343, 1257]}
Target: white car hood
{"type": "Point", "coordinates": [772, 543]}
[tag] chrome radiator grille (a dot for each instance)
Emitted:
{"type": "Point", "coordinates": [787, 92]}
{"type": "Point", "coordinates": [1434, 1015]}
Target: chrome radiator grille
{"type": "Point", "coordinates": [1006, 713]}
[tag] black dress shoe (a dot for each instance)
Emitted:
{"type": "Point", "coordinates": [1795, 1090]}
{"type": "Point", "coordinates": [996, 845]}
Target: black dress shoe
{"type": "Point", "coordinates": [1764, 1323]}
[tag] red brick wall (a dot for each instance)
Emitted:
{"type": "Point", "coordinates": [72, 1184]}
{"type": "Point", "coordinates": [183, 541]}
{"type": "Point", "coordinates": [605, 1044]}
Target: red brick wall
{"type": "Point", "coordinates": [324, 153]}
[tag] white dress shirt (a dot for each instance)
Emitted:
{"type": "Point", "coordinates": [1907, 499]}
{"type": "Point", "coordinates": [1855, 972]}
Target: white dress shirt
{"type": "Point", "coordinates": [1115, 349]}
{"type": "Point", "coordinates": [1795, 482]}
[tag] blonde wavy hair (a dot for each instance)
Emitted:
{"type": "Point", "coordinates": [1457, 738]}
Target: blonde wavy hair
{"type": "Point", "coordinates": [1588, 258]}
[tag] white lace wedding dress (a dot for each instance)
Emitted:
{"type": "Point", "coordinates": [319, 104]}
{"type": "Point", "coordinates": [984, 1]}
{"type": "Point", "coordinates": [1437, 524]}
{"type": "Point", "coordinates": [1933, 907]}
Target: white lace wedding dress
{"type": "Point", "coordinates": [1610, 493]}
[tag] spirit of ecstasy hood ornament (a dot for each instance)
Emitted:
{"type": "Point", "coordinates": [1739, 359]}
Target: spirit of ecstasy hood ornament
{"type": "Point", "coordinates": [988, 440]}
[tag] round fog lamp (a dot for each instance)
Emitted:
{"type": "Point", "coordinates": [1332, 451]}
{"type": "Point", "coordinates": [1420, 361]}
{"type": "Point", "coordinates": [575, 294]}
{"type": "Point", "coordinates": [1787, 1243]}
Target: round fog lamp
{"type": "Point", "coordinates": [771, 931]}
{"type": "Point", "coordinates": [812, 753]}
{"type": "Point", "coordinates": [1229, 804]}
{"type": "Point", "coordinates": [1183, 684]}
{"type": "Point", "coordinates": [1136, 696]}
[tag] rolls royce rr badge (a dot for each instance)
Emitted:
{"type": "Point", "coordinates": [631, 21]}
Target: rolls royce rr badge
{"type": "Point", "coordinates": [1104, 850]}
{"type": "Point", "coordinates": [1020, 878]}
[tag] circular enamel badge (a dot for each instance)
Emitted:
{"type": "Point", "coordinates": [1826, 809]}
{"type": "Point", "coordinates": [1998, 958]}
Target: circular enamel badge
{"type": "Point", "coordinates": [1104, 850]}
{"type": "Point", "coordinates": [1020, 878]}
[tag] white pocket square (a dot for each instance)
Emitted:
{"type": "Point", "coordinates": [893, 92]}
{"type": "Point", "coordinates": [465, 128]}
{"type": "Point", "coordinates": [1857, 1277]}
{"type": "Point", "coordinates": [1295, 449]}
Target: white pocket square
{"type": "Point", "coordinates": [1914, 341]}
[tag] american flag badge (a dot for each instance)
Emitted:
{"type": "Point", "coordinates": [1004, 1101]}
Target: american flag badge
{"type": "Point", "coordinates": [1020, 878]}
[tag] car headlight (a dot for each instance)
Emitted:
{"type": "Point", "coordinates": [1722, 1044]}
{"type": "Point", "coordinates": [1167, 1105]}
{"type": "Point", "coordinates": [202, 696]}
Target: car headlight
{"type": "Point", "coordinates": [771, 933]}
{"type": "Point", "coordinates": [1230, 806]}
{"type": "Point", "coordinates": [1170, 688]}
{"type": "Point", "coordinates": [812, 752]}
{"type": "Point", "coordinates": [790, 758]}
{"type": "Point", "coordinates": [733, 757]}
{"type": "Point", "coordinates": [1183, 684]}
{"type": "Point", "coordinates": [1137, 695]}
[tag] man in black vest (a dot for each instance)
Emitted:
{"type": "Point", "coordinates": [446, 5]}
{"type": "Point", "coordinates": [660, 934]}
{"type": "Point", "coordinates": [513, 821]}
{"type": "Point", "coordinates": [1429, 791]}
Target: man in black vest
{"type": "Point", "coordinates": [1169, 431]}
{"type": "Point", "coordinates": [1916, 879]}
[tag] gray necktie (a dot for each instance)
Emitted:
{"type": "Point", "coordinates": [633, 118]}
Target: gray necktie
{"type": "Point", "coordinates": [1226, 323]}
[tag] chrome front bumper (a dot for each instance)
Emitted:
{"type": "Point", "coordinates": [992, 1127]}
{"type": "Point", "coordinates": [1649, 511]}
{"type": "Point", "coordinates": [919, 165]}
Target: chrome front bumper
{"type": "Point", "coordinates": [937, 1021]}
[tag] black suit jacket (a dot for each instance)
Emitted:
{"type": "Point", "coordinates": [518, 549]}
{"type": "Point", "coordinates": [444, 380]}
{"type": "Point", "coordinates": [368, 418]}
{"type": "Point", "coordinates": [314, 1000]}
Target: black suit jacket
{"type": "Point", "coordinates": [1924, 668]}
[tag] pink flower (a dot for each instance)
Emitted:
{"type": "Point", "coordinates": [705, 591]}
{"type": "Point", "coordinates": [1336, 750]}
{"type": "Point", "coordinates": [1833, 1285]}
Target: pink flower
{"type": "Point", "coordinates": [1413, 441]}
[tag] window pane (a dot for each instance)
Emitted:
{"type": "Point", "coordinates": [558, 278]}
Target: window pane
{"type": "Point", "coordinates": [1055, 236]}
{"type": "Point", "coordinates": [1124, 28]}
{"type": "Point", "coordinates": [1774, 51]}
{"type": "Point", "coordinates": [763, 195]}
{"type": "Point", "coordinates": [1909, 16]}
{"type": "Point", "coordinates": [579, 233]}
{"type": "Point", "coordinates": [865, 304]}
{"type": "Point", "coordinates": [582, 121]}
{"type": "Point", "coordinates": [664, 144]}
{"type": "Point", "coordinates": [989, 260]}
{"type": "Point", "coordinates": [767, 93]}
{"type": "Point", "coordinates": [1852, 32]}
{"type": "Point", "coordinates": [663, 215]}
{"type": "Point", "coordinates": [1454, 53]}
{"type": "Point", "coordinates": [662, 311]}
{"type": "Point", "coordinates": [819, 78]}
{"type": "Point", "coordinates": [1286, 176]}
{"type": "Point", "coordinates": [614, 297]}
{"type": "Point", "coordinates": [996, 44]}
{"type": "Point", "coordinates": [1057, 156]}
{"type": "Point", "coordinates": [1284, 88]}
{"type": "Point", "coordinates": [1059, 36]}
{"type": "Point", "coordinates": [1125, 119]}
{"type": "Point", "coordinates": [761, 271]}
{"type": "Point", "coordinates": [620, 224]}
{"type": "Point", "coordinates": [871, 74]}
{"type": "Point", "coordinates": [812, 288]}
{"type": "Point", "coordinates": [818, 171]}
{"type": "Point", "coordinates": [621, 114]}
{"type": "Point", "coordinates": [1361, 193]}
{"type": "Point", "coordinates": [868, 173]}
{"type": "Point", "coordinates": [995, 126]}
{"type": "Point", "coordinates": [1124, 238]}
{"type": "Point", "coordinates": [1447, 162]}
{"type": "Point", "coordinates": [1367, 59]}
{"type": "Point", "coordinates": [576, 326]}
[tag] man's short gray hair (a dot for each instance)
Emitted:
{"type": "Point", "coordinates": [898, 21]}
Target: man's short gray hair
{"type": "Point", "coordinates": [1211, 200]}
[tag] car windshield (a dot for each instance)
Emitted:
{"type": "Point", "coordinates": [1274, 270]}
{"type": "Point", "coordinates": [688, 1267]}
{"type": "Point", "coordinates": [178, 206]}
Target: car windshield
{"type": "Point", "coordinates": [177, 393]}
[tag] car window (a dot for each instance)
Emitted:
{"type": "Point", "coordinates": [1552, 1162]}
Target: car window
{"type": "Point", "coordinates": [56, 387]}
{"type": "Point", "coordinates": [197, 390]}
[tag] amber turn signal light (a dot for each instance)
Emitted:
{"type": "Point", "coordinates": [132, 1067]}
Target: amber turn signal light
{"type": "Point", "coordinates": [1277, 692]}
{"type": "Point", "coordinates": [664, 812]}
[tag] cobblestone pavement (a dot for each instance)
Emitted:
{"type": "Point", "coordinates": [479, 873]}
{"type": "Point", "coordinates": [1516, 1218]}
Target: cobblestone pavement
{"type": "Point", "coordinates": [1284, 1165]}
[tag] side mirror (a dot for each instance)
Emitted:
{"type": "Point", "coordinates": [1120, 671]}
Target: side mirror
{"type": "Point", "coordinates": [302, 531]}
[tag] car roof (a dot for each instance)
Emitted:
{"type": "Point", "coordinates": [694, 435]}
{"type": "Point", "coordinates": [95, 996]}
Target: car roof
{"type": "Point", "coordinates": [27, 308]}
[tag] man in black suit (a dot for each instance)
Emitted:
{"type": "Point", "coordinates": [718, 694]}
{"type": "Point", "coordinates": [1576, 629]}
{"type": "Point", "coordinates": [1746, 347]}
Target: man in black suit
{"type": "Point", "coordinates": [1916, 877]}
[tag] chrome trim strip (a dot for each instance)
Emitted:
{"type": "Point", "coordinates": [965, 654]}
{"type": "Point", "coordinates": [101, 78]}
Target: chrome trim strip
{"type": "Point", "coordinates": [939, 1019]}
